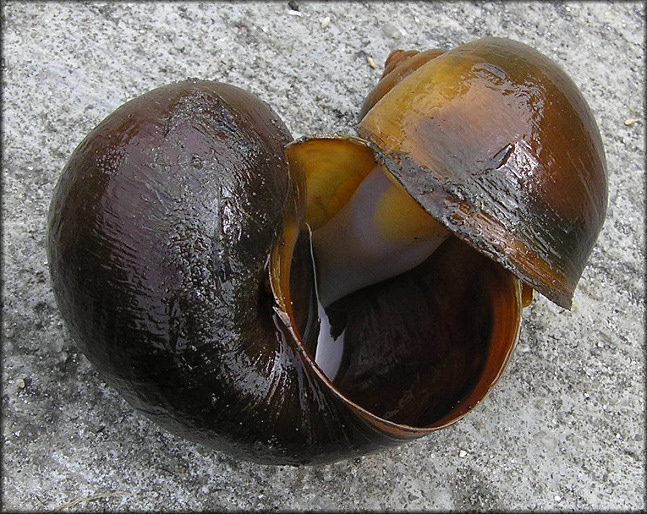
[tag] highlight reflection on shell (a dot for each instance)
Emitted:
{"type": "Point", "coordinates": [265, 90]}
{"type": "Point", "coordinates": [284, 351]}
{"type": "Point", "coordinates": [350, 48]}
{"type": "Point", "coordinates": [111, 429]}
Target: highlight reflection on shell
{"type": "Point", "coordinates": [196, 251]}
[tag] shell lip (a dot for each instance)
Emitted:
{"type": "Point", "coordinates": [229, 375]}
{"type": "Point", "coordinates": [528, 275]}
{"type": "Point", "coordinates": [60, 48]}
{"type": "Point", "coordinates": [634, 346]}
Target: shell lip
{"type": "Point", "coordinates": [280, 258]}
{"type": "Point", "coordinates": [399, 430]}
{"type": "Point", "coordinates": [393, 429]}
{"type": "Point", "coordinates": [333, 137]}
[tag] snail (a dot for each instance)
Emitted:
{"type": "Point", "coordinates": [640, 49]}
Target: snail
{"type": "Point", "coordinates": [302, 302]}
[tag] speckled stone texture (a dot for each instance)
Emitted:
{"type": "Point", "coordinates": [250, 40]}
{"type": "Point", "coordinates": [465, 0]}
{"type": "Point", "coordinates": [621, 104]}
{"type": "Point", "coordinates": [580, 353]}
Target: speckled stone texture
{"type": "Point", "coordinates": [564, 428]}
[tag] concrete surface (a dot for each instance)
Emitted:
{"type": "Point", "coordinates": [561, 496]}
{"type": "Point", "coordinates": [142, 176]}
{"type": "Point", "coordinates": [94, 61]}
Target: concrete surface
{"type": "Point", "coordinates": [564, 429]}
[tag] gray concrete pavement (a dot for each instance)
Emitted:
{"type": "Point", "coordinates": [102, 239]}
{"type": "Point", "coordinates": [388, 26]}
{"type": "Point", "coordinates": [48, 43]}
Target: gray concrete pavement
{"type": "Point", "coordinates": [564, 428]}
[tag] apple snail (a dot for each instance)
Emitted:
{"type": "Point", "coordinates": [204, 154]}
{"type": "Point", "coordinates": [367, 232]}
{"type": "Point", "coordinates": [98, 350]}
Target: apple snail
{"type": "Point", "coordinates": [294, 302]}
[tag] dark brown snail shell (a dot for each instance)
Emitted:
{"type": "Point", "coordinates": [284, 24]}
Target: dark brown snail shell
{"type": "Point", "coordinates": [171, 239]}
{"type": "Point", "coordinates": [180, 255]}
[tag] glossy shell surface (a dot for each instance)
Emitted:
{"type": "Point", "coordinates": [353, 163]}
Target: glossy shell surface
{"type": "Point", "coordinates": [160, 232]}
{"type": "Point", "coordinates": [497, 143]}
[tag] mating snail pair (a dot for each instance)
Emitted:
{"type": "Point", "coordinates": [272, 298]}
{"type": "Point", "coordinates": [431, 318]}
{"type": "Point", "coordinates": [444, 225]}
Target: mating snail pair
{"type": "Point", "coordinates": [306, 301]}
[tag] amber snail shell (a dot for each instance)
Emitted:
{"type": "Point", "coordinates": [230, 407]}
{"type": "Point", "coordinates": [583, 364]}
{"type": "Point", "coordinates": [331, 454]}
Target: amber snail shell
{"type": "Point", "coordinates": [497, 143]}
{"type": "Point", "coordinates": [180, 261]}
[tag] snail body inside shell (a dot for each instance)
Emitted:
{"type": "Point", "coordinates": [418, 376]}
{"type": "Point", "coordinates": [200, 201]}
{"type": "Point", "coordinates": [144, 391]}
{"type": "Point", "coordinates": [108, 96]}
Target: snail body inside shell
{"type": "Point", "coordinates": [303, 302]}
{"type": "Point", "coordinates": [381, 232]}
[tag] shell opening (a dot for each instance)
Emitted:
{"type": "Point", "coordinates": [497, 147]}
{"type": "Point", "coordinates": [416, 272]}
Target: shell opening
{"type": "Point", "coordinates": [414, 345]}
